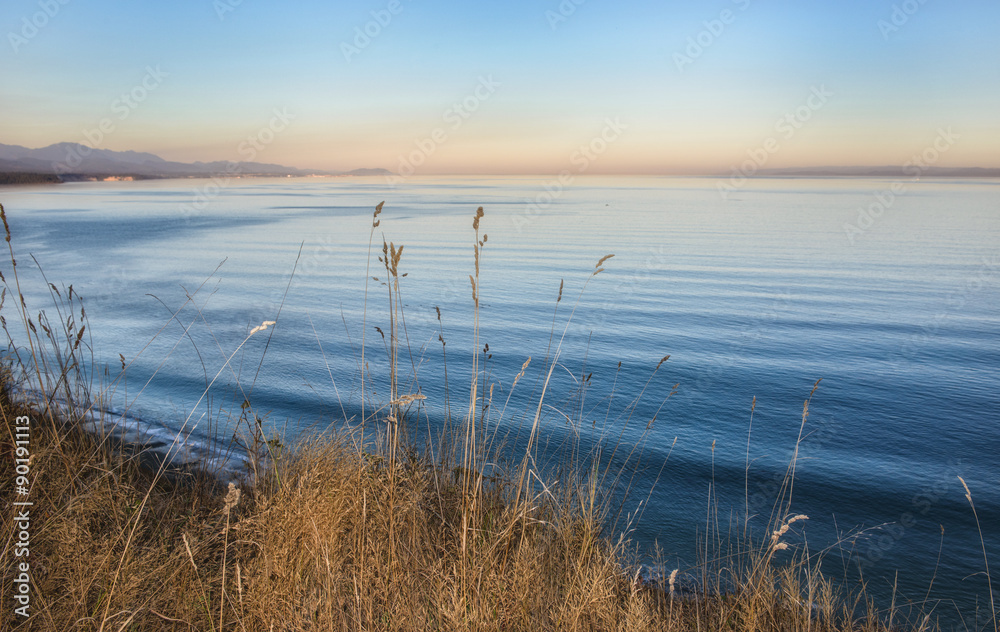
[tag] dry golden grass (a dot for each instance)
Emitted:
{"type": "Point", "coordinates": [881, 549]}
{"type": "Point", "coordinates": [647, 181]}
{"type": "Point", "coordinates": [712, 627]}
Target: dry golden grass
{"type": "Point", "coordinates": [333, 536]}
{"type": "Point", "coordinates": [348, 542]}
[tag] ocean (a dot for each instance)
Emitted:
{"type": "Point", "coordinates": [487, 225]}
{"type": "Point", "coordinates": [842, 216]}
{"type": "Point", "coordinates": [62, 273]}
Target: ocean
{"type": "Point", "coordinates": [886, 291]}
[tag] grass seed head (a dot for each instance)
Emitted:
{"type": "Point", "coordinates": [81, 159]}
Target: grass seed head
{"type": "Point", "coordinates": [261, 327]}
{"type": "Point", "coordinates": [968, 494]}
{"type": "Point", "coordinates": [232, 497]}
{"type": "Point", "coordinates": [6, 227]}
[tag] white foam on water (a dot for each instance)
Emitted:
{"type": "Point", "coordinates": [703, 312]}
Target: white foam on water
{"type": "Point", "coordinates": [180, 448]}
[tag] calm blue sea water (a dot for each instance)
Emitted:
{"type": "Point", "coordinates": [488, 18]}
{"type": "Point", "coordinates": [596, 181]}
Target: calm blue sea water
{"type": "Point", "coordinates": [758, 295]}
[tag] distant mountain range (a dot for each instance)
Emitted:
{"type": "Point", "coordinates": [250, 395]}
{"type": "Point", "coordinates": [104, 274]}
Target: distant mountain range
{"type": "Point", "coordinates": [73, 161]}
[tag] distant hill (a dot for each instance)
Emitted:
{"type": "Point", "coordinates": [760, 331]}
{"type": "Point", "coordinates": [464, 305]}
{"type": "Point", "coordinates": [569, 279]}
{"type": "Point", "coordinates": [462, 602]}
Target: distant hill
{"type": "Point", "coordinates": [369, 172]}
{"type": "Point", "coordinates": [73, 161]}
{"type": "Point", "coordinates": [28, 178]}
{"type": "Point", "coordinates": [892, 171]}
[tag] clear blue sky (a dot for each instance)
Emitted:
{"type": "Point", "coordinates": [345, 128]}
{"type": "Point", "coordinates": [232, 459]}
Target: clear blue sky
{"type": "Point", "coordinates": [553, 85]}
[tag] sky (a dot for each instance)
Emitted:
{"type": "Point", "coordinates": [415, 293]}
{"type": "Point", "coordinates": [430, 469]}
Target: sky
{"type": "Point", "coordinates": [514, 87]}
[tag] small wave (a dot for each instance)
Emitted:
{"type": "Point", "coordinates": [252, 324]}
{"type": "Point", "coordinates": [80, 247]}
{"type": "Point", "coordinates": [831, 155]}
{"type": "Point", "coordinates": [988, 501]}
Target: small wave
{"type": "Point", "coordinates": [154, 442]}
